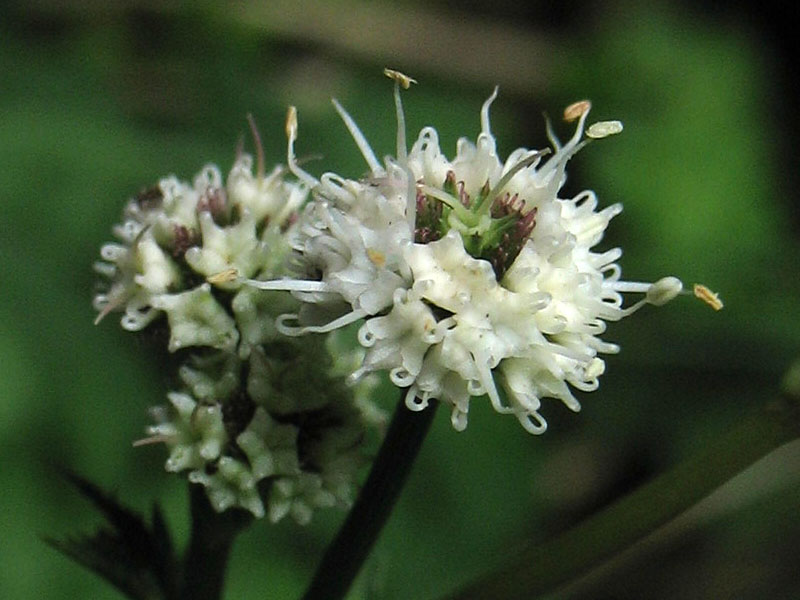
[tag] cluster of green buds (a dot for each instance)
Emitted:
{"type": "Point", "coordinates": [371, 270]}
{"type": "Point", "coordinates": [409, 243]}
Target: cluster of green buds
{"type": "Point", "coordinates": [264, 422]}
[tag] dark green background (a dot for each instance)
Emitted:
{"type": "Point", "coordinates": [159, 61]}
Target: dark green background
{"type": "Point", "coordinates": [96, 103]}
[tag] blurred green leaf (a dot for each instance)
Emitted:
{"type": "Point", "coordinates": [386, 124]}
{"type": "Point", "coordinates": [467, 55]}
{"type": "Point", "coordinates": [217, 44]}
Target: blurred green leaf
{"type": "Point", "coordinates": [134, 557]}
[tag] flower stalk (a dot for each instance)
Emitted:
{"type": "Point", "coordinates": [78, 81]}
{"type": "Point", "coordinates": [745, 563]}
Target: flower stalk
{"type": "Point", "coordinates": [210, 544]}
{"type": "Point", "coordinates": [348, 551]}
{"type": "Point", "coordinates": [545, 567]}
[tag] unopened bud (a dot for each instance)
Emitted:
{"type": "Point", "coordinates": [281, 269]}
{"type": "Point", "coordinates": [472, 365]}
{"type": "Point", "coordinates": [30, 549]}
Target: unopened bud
{"type": "Point", "coordinates": [663, 290]}
{"type": "Point", "coordinates": [603, 129]}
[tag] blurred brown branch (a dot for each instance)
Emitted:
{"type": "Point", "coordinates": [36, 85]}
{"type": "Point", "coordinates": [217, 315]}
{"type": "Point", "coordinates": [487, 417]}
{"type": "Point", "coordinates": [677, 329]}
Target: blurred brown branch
{"type": "Point", "coordinates": [456, 45]}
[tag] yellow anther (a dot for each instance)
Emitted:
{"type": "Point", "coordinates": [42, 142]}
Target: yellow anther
{"type": "Point", "coordinates": [291, 123]}
{"type": "Point", "coordinates": [707, 296]}
{"type": "Point", "coordinates": [576, 110]}
{"type": "Point", "coordinates": [376, 257]}
{"type": "Point", "coordinates": [404, 80]}
{"type": "Point", "coordinates": [225, 276]}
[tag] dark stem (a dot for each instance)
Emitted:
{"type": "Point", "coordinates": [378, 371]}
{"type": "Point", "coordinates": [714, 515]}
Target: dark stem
{"type": "Point", "coordinates": [210, 544]}
{"type": "Point", "coordinates": [546, 566]}
{"type": "Point", "coordinates": [347, 552]}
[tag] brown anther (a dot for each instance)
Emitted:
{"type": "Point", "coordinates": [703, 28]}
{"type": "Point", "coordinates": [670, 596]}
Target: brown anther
{"type": "Point", "coordinates": [576, 110]}
{"type": "Point", "coordinates": [215, 201]}
{"type": "Point", "coordinates": [150, 198]}
{"type": "Point", "coordinates": [183, 239]}
{"type": "Point", "coordinates": [463, 196]}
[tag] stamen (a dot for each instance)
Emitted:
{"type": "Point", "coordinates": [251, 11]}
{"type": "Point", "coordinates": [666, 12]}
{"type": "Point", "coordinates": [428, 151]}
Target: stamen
{"type": "Point", "coordinates": [110, 306]}
{"type": "Point", "coordinates": [288, 285]}
{"type": "Point", "coordinates": [551, 134]}
{"type": "Point", "coordinates": [447, 199]}
{"type": "Point", "coordinates": [485, 113]}
{"type": "Point", "coordinates": [291, 134]}
{"type": "Point", "coordinates": [259, 147]}
{"type": "Point", "coordinates": [572, 146]}
{"type": "Point", "coordinates": [361, 141]}
{"type": "Point", "coordinates": [577, 110]}
{"type": "Point", "coordinates": [411, 200]}
{"type": "Point", "coordinates": [495, 191]}
{"type": "Point", "coordinates": [351, 317]}
{"type": "Point", "coordinates": [401, 79]}
{"type": "Point", "coordinates": [161, 438]}
{"type": "Point", "coordinates": [402, 149]}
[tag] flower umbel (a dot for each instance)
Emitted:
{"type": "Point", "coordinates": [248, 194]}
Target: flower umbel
{"type": "Point", "coordinates": [472, 276]}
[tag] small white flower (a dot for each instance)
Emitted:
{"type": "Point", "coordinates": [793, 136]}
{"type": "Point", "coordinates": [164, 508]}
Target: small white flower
{"type": "Point", "coordinates": [194, 433]}
{"type": "Point", "coordinates": [471, 275]}
{"type": "Point", "coordinates": [268, 197]}
{"type": "Point", "coordinates": [211, 378]}
{"type": "Point", "coordinates": [233, 247]}
{"type": "Point", "coordinates": [298, 496]}
{"type": "Point", "coordinates": [232, 484]}
{"type": "Point", "coordinates": [271, 448]}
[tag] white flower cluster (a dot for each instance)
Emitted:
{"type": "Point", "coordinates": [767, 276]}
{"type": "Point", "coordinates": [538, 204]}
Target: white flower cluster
{"type": "Point", "coordinates": [176, 234]}
{"type": "Point", "coordinates": [265, 423]}
{"type": "Point", "coordinates": [470, 276]}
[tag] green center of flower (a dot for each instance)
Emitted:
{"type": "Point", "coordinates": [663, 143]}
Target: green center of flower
{"type": "Point", "coordinates": [493, 225]}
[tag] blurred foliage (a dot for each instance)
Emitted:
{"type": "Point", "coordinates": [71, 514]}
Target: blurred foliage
{"type": "Point", "coordinates": [96, 104]}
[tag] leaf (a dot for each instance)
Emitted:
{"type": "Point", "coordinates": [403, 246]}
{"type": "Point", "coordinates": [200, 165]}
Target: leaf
{"type": "Point", "coordinates": [135, 557]}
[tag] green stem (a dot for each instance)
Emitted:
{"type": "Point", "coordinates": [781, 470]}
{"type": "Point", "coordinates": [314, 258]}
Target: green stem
{"type": "Point", "coordinates": [347, 552]}
{"type": "Point", "coordinates": [210, 544]}
{"type": "Point", "coordinates": [543, 568]}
